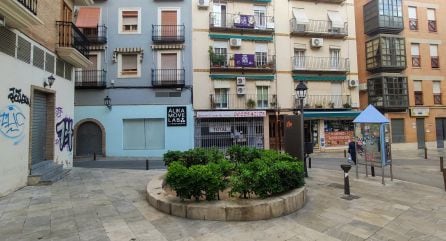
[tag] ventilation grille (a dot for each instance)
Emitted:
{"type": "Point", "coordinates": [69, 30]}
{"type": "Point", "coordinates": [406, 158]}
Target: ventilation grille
{"type": "Point", "coordinates": [7, 42]}
{"type": "Point", "coordinates": [60, 68]}
{"type": "Point", "coordinates": [49, 63]}
{"type": "Point", "coordinates": [24, 50]}
{"type": "Point", "coordinates": [168, 94]}
{"type": "Point", "coordinates": [68, 71]}
{"type": "Point", "coordinates": [38, 57]}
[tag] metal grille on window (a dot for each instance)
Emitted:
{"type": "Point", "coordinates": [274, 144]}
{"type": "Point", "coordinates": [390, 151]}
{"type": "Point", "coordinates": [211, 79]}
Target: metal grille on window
{"type": "Point", "coordinates": [222, 133]}
{"type": "Point", "coordinates": [60, 68]}
{"type": "Point", "coordinates": [24, 50]}
{"type": "Point", "coordinates": [49, 63]}
{"type": "Point", "coordinates": [7, 41]}
{"type": "Point", "coordinates": [68, 71]}
{"type": "Point", "coordinates": [38, 57]}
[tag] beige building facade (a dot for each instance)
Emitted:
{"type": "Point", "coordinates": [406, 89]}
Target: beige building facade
{"type": "Point", "coordinates": [283, 43]}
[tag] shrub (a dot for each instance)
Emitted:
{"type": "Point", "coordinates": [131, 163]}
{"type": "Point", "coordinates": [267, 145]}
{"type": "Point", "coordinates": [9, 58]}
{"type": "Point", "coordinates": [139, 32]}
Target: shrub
{"type": "Point", "coordinates": [243, 154]}
{"type": "Point", "coordinates": [197, 156]}
{"type": "Point", "coordinates": [172, 156]}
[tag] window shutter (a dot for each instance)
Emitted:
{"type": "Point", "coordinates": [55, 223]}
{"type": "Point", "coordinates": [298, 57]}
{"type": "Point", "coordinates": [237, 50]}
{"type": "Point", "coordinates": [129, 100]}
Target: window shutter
{"type": "Point", "coordinates": [263, 48]}
{"type": "Point", "coordinates": [129, 61]}
{"type": "Point", "coordinates": [415, 49]}
{"type": "Point", "coordinates": [431, 14]}
{"type": "Point", "coordinates": [434, 50]}
{"type": "Point", "coordinates": [417, 85]}
{"type": "Point", "coordinates": [436, 87]}
{"type": "Point", "coordinates": [413, 12]}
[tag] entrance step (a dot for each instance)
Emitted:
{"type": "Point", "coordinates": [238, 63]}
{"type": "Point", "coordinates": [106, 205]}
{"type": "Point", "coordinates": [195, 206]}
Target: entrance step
{"type": "Point", "coordinates": [46, 173]}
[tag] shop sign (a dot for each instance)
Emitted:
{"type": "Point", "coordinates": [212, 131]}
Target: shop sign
{"type": "Point", "coordinates": [228, 114]}
{"type": "Point", "coordinates": [219, 129]}
{"type": "Point", "coordinates": [176, 116]}
{"type": "Point", "coordinates": [419, 111]}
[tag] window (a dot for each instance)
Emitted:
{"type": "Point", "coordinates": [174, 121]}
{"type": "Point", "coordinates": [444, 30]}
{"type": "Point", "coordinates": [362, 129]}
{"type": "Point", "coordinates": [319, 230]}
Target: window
{"type": "Point", "coordinates": [299, 58]}
{"type": "Point", "coordinates": [415, 52]}
{"type": "Point", "coordinates": [129, 65]}
{"type": "Point", "coordinates": [431, 20]}
{"type": "Point", "coordinates": [221, 98]}
{"type": "Point", "coordinates": [262, 96]}
{"type": "Point", "coordinates": [413, 21]}
{"type": "Point", "coordinates": [418, 92]}
{"type": "Point", "coordinates": [143, 134]}
{"type": "Point", "coordinates": [130, 21]}
{"type": "Point", "coordinates": [261, 55]}
{"type": "Point", "coordinates": [436, 89]}
{"type": "Point", "coordinates": [220, 57]}
{"type": "Point", "coordinates": [435, 60]}
{"type": "Point", "coordinates": [260, 17]}
{"type": "Point", "coordinates": [334, 57]}
{"type": "Point", "coordinates": [386, 51]}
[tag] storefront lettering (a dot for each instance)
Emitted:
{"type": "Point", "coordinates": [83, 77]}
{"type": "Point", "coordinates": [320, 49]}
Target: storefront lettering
{"type": "Point", "coordinates": [176, 116]}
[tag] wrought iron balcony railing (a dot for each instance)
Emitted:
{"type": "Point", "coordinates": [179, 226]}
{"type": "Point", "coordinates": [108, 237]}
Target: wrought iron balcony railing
{"type": "Point", "coordinates": [245, 101]}
{"type": "Point", "coordinates": [72, 37]}
{"type": "Point", "coordinates": [325, 102]}
{"type": "Point", "coordinates": [413, 24]}
{"type": "Point", "coordinates": [258, 61]}
{"type": "Point", "coordinates": [168, 33]}
{"type": "Point", "coordinates": [31, 5]}
{"type": "Point", "coordinates": [310, 63]}
{"type": "Point", "coordinates": [240, 21]}
{"type": "Point", "coordinates": [168, 78]}
{"type": "Point", "coordinates": [432, 25]}
{"type": "Point", "coordinates": [318, 28]}
{"type": "Point", "coordinates": [96, 35]}
{"type": "Point", "coordinates": [435, 62]}
{"type": "Point", "coordinates": [90, 79]}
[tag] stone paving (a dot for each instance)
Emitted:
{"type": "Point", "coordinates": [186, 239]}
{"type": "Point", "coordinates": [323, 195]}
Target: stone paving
{"type": "Point", "coordinates": [110, 204]}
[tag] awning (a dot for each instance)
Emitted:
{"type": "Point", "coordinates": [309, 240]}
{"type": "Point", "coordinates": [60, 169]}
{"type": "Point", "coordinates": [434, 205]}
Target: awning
{"type": "Point", "coordinates": [88, 17]}
{"type": "Point", "coordinates": [127, 50]}
{"type": "Point", "coordinates": [300, 16]}
{"type": "Point", "coordinates": [234, 77]}
{"type": "Point", "coordinates": [333, 78]}
{"type": "Point", "coordinates": [167, 46]}
{"type": "Point", "coordinates": [243, 37]}
{"type": "Point", "coordinates": [336, 19]}
{"type": "Point", "coordinates": [331, 114]}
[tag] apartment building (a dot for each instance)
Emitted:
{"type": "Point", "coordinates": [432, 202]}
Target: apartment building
{"type": "Point", "coordinates": [135, 99]}
{"type": "Point", "coordinates": [39, 47]}
{"type": "Point", "coordinates": [401, 62]}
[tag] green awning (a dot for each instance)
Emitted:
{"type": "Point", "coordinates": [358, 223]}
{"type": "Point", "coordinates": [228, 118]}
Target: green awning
{"type": "Point", "coordinates": [331, 114]}
{"type": "Point", "coordinates": [262, 1]}
{"type": "Point", "coordinates": [243, 37]}
{"type": "Point", "coordinates": [300, 77]}
{"type": "Point", "coordinates": [234, 77]}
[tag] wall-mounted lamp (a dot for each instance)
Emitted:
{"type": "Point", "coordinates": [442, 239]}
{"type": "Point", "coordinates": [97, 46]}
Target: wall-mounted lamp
{"type": "Point", "coordinates": [49, 82]}
{"type": "Point", "coordinates": [107, 102]}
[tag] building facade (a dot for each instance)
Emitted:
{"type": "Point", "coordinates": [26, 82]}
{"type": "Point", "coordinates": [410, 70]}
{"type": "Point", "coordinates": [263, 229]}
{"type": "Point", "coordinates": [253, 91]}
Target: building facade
{"type": "Point", "coordinates": [135, 100]}
{"type": "Point", "coordinates": [401, 62]}
{"type": "Point", "coordinates": [248, 59]}
{"type": "Point", "coordinates": [39, 47]}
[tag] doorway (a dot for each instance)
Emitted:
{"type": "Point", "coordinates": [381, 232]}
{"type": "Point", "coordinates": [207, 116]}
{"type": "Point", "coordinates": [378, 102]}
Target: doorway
{"type": "Point", "coordinates": [421, 140]}
{"type": "Point", "coordinates": [89, 139]}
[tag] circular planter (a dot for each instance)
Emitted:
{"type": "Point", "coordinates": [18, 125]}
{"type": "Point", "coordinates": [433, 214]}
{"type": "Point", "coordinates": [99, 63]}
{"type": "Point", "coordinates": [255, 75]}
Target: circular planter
{"type": "Point", "coordinates": [227, 210]}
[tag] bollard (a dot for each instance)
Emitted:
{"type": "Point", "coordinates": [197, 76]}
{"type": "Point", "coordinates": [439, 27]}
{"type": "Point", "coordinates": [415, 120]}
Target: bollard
{"type": "Point", "coordinates": [441, 164]}
{"type": "Point", "coordinates": [444, 178]}
{"type": "Point", "coordinates": [346, 168]}
{"type": "Point", "coordinates": [309, 162]}
{"type": "Point", "coordinates": [345, 153]}
{"type": "Point", "coordinates": [94, 156]}
{"type": "Point", "coordinates": [147, 164]}
{"type": "Point", "coordinates": [372, 167]}
{"type": "Point", "coordinates": [425, 152]}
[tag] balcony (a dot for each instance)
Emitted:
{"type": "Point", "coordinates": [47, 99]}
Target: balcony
{"type": "Point", "coordinates": [168, 78]}
{"type": "Point", "coordinates": [388, 92]}
{"type": "Point", "coordinates": [97, 35]}
{"type": "Point", "coordinates": [325, 102]}
{"type": "Point", "coordinates": [318, 28]}
{"type": "Point", "coordinates": [90, 79]}
{"type": "Point", "coordinates": [320, 64]}
{"type": "Point", "coordinates": [83, 2]}
{"type": "Point", "coordinates": [432, 26]}
{"type": "Point", "coordinates": [242, 102]}
{"type": "Point", "coordinates": [381, 16]}
{"type": "Point", "coordinates": [72, 45]}
{"type": "Point", "coordinates": [240, 23]}
{"type": "Point", "coordinates": [413, 24]}
{"type": "Point", "coordinates": [168, 33]}
{"type": "Point", "coordinates": [326, 1]}
{"type": "Point", "coordinates": [242, 62]}
{"type": "Point", "coordinates": [386, 53]}
{"type": "Point", "coordinates": [20, 14]}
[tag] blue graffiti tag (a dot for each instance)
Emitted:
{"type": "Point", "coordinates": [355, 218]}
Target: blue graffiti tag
{"type": "Point", "coordinates": [64, 130]}
{"type": "Point", "coordinates": [12, 123]}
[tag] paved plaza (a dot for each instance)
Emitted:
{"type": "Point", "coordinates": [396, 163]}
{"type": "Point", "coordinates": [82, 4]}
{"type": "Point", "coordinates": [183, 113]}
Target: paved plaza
{"type": "Point", "coordinates": [109, 204]}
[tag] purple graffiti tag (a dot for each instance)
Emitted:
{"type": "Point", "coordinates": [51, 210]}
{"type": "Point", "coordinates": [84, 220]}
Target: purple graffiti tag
{"type": "Point", "coordinates": [59, 112]}
{"type": "Point", "coordinates": [12, 123]}
{"type": "Point", "coordinates": [64, 130]}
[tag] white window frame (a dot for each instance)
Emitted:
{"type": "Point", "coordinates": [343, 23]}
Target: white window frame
{"type": "Point", "coordinates": [120, 19]}
{"type": "Point", "coordinates": [259, 102]}
{"type": "Point", "coordinates": [177, 52]}
{"type": "Point", "coordinates": [138, 66]}
{"type": "Point", "coordinates": [161, 9]}
{"type": "Point", "coordinates": [220, 106]}
{"type": "Point", "coordinates": [412, 12]}
{"type": "Point", "coordinates": [260, 9]}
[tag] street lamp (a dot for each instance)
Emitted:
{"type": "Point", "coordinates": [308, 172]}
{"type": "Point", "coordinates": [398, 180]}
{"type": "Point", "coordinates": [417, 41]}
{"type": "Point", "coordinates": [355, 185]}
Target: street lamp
{"type": "Point", "coordinates": [107, 102]}
{"type": "Point", "coordinates": [301, 93]}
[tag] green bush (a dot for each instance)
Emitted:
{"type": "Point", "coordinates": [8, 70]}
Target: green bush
{"type": "Point", "coordinates": [243, 154]}
{"type": "Point", "coordinates": [197, 156]}
{"type": "Point", "coordinates": [172, 156]}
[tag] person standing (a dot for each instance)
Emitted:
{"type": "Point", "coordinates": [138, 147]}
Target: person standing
{"type": "Point", "coordinates": [352, 151]}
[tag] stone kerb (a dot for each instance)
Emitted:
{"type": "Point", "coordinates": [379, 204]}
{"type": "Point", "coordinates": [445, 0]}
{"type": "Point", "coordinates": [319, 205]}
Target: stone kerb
{"type": "Point", "coordinates": [227, 210]}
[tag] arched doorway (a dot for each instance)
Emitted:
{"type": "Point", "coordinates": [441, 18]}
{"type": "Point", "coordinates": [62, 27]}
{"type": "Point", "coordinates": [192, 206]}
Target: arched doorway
{"type": "Point", "coordinates": [89, 139]}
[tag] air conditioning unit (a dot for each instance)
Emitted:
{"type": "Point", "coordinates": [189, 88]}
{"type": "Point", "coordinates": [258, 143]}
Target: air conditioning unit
{"type": "Point", "coordinates": [235, 42]}
{"type": "Point", "coordinates": [241, 90]}
{"type": "Point", "coordinates": [2, 21]}
{"type": "Point", "coordinates": [317, 42]}
{"type": "Point", "coordinates": [241, 81]}
{"type": "Point", "coordinates": [353, 83]}
{"type": "Point", "coordinates": [203, 3]}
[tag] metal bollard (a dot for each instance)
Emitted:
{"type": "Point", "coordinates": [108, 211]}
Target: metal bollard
{"type": "Point", "coordinates": [441, 164]}
{"type": "Point", "coordinates": [444, 178]}
{"type": "Point", "coordinates": [345, 153]}
{"type": "Point", "coordinates": [346, 168]}
{"type": "Point", "coordinates": [94, 156]}
{"type": "Point", "coordinates": [372, 167]}
{"type": "Point", "coordinates": [425, 152]}
{"type": "Point", "coordinates": [147, 164]}
{"type": "Point", "coordinates": [309, 162]}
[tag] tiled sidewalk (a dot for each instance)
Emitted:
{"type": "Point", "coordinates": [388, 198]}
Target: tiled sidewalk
{"type": "Point", "coordinates": [105, 204]}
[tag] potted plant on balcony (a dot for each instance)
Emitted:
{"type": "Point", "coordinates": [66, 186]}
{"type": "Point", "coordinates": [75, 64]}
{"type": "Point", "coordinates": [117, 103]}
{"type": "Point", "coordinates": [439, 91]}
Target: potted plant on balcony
{"type": "Point", "coordinates": [217, 60]}
{"type": "Point", "coordinates": [250, 103]}
{"type": "Point", "coordinates": [318, 105]}
{"type": "Point", "coordinates": [347, 105]}
{"type": "Point", "coordinates": [331, 105]}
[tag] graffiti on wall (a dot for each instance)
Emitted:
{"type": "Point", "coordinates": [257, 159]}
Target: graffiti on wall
{"type": "Point", "coordinates": [64, 130]}
{"type": "Point", "coordinates": [59, 112]}
{"type": "Point", "coordinates": [12, 123]}
{"type": "Point", "coordinates": [16, 96]}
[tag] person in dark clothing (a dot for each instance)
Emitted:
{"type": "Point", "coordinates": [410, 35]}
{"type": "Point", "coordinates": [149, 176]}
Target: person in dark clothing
{"type": "Point", "coordinates": [352, 150]}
